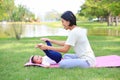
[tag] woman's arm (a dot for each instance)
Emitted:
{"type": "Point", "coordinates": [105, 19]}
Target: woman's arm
{"type": "Point", "coordinates": [63, 49]}
{"type": "Point", "coordinates": [61, 43]}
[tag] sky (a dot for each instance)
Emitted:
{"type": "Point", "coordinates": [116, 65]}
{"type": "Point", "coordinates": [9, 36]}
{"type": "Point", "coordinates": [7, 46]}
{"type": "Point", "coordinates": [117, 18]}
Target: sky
{"type": "Point", "coordinates": [40, 7]}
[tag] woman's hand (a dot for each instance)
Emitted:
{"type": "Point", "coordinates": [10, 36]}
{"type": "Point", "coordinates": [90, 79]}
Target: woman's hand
{"type": "Point", "coordinates": [38, 45]}
{"type": "Point", "coordinates": [42, 46]}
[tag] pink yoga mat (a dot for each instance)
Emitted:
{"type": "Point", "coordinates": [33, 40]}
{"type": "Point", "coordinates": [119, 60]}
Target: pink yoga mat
{"type": "Point", "coordinates": [108, 61]}
{"type": "Point", "coordinates": [101, 61]}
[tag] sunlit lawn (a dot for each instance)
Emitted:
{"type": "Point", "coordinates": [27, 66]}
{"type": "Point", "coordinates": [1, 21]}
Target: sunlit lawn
{"type": "Point", "coordinates": [15, 53]}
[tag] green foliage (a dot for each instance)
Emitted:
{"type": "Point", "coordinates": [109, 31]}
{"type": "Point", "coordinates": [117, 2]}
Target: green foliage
{"type": "Point", "coordinates": [10, 12]}
{"type": "Point", "coordinates": [20, 13]}
{"type": "Point", "coordinates": [6, 8]}
{"type": "Point", "coordinates": [100, 8]}
{"type": "Point", "coordinates": [81, 18]}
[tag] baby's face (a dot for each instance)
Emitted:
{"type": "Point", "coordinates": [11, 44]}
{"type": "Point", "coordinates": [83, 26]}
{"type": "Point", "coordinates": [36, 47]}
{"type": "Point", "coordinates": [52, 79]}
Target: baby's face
{"type": "Point", "coordinates": [37, 59]}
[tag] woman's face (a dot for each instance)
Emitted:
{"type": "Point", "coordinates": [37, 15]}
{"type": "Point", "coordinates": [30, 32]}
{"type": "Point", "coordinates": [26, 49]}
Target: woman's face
{"type": "Point", "coordinates": [37, 59]}
{"type": "Point", "coordinates": [65, 24]}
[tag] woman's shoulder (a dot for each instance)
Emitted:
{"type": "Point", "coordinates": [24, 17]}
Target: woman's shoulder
{"type": "Point", "coordinates": [81, 29]}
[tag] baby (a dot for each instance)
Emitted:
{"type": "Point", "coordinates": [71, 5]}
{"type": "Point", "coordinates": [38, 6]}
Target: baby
{"type": "Point", "coordinates": [45, 61]}
{"type": "Point", "coordinates": [52, 57]}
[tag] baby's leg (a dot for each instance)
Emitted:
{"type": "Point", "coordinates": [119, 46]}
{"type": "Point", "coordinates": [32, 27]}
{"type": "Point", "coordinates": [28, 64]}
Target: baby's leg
{"type": "Point", "coordinates": [54, 55]}
{"type": "Point", "coordinates": [48, 43]}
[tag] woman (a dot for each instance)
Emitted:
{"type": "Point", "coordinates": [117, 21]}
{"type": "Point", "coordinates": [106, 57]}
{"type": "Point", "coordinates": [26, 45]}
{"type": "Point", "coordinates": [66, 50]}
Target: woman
{"type": "Point", "coordinates": [83, 56]}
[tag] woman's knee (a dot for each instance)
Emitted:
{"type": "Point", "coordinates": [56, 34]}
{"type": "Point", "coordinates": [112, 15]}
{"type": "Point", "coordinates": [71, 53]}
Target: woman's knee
{"type": "Point", "coordinates": [62, 64]}
{"type": "Point", "coordinates": [69, 56]}
{"type": "Point", "coordinates": [65, 55]}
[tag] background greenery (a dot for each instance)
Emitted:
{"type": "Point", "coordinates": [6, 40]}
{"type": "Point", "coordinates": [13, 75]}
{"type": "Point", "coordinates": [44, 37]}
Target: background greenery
{"type": "Point", "coordinates": [102, 10]}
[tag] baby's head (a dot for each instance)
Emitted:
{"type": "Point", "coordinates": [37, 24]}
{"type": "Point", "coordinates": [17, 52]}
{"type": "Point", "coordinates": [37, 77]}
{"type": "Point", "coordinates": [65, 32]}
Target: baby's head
{"type": "Point", "coordinates": [36, 59]}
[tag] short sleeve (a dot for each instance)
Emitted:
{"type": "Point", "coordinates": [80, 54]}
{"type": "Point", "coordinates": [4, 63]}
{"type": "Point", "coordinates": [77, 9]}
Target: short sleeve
{"type": "Point", "coordinates": [71, 40]}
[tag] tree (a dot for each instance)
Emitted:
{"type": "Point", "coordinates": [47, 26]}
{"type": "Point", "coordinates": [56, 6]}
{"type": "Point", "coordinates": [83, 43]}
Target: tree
{"type": "Point", "coordinates": [112, 9]}
{"type": "Point", "coordinates": [10, 12]}
{"type": "Point", "coordinates": [6, 8]}
{"type": "Point", "coordinates": [101, 8]}
{"type": "Point", "coordinates": [20, 13]}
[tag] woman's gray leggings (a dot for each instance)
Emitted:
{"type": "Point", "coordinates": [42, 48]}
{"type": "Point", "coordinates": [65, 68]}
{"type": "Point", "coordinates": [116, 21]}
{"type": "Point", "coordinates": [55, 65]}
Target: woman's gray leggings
{"type": "Point", "coordinates": [71, 60]}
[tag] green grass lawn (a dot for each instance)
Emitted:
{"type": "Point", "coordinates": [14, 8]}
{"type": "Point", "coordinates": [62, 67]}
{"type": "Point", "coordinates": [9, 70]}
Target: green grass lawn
{"type": "Point", "coordinates": [15, 53]}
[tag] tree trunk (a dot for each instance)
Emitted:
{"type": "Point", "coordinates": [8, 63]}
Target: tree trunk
{"type": "Point", "coordinates": [116, 20]}
{"type": "Point", "coordinates": [101, 19]}
{"type": "Point", "coordinates": [112, 20]}
{"type": "Point", "coordinates": [109, 22]}
{"type": "Point", "coordinates": [17, 35]}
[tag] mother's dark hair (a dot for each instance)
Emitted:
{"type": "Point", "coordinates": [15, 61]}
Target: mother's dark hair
{"type": "Point", "coordinates": [69, 16]}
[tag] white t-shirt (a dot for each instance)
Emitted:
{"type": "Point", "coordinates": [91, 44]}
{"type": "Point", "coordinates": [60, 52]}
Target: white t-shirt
{"type": "Point", "coordinates": [78, 39]}
{"type": "Point", "coordinates": [47, 61]}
